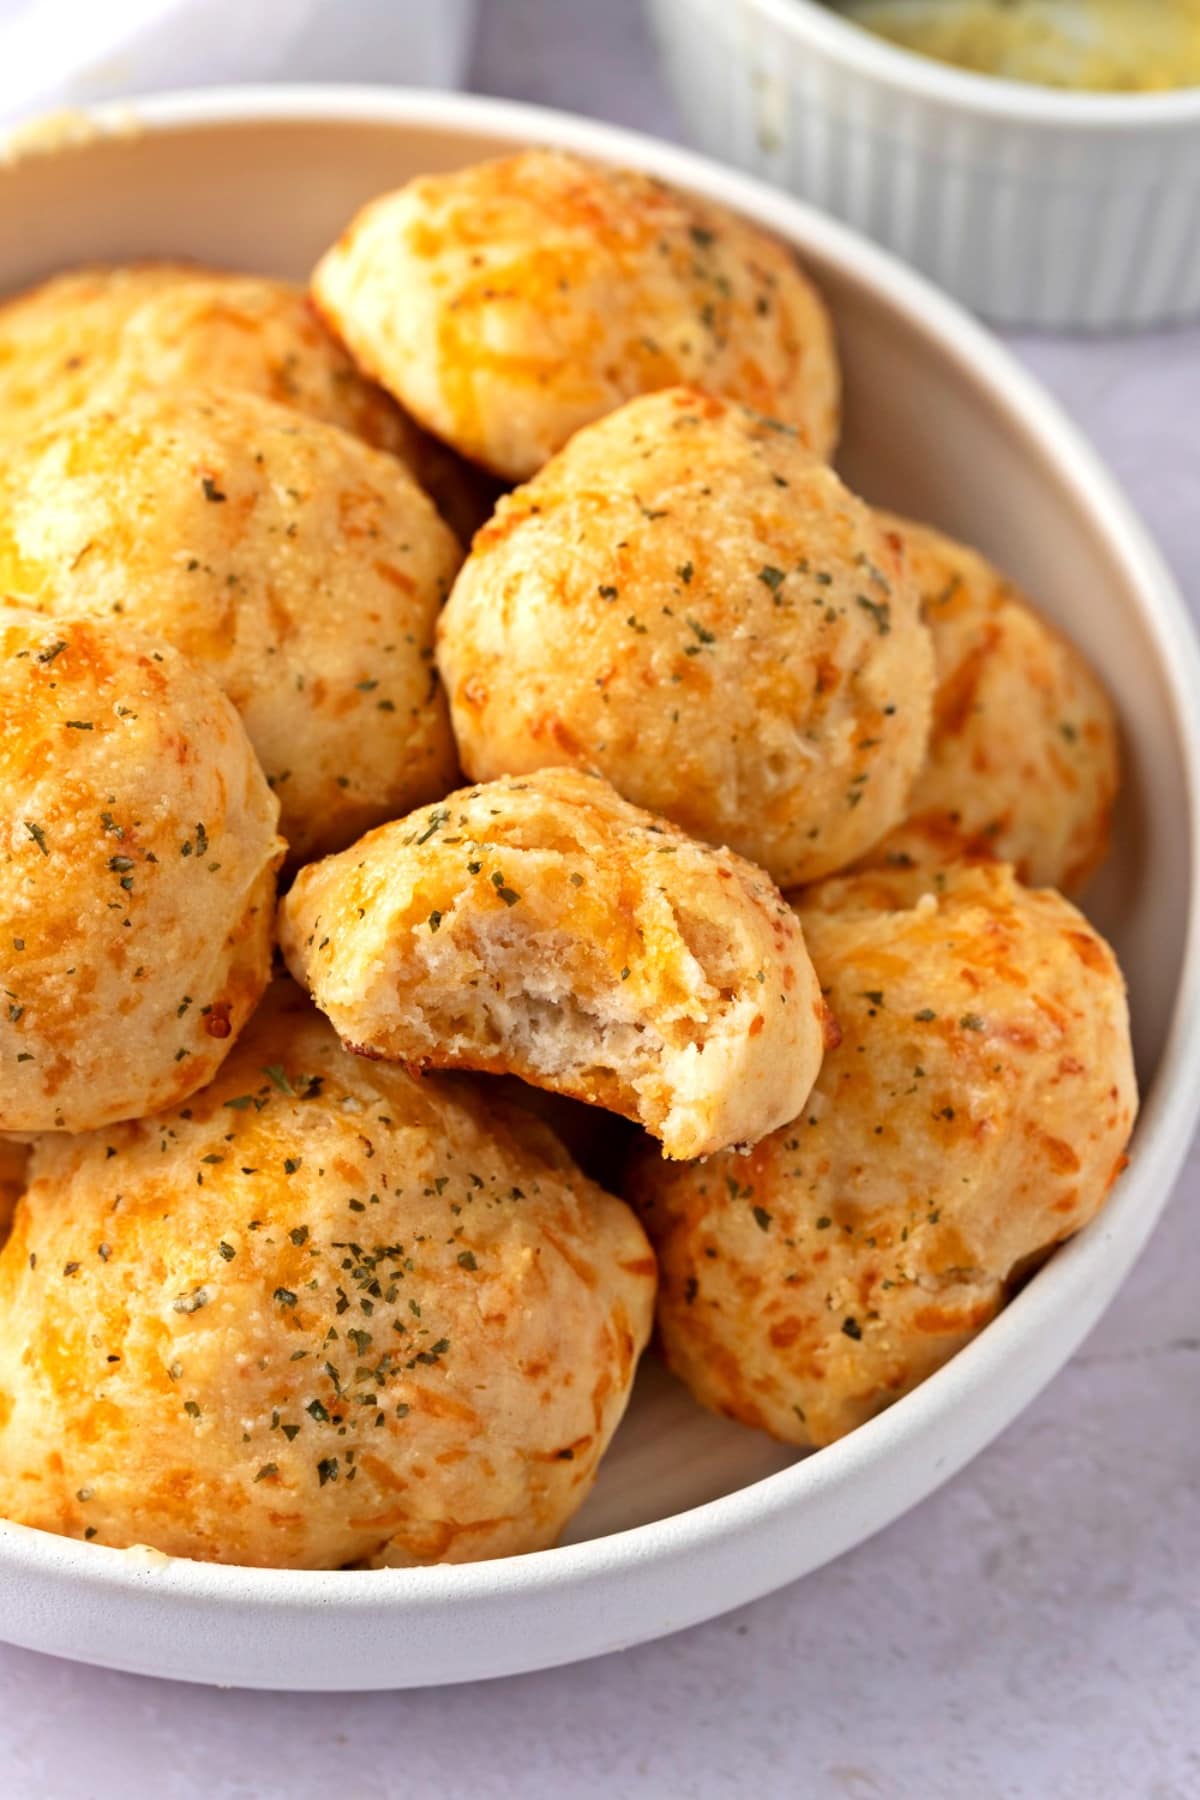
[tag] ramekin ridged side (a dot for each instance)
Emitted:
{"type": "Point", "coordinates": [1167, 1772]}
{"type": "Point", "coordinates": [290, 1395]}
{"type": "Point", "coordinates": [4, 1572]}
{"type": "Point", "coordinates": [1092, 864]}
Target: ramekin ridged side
{"type": "Point", "coordinates": [1034, 207]}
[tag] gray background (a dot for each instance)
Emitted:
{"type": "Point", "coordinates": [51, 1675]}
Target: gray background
{"type": "Point", "coordinates": [1032, 1630]}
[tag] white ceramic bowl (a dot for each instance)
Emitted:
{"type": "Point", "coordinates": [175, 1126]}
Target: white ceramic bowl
{"type": "Point", "coordinates": [1032, 205]}
{"type": "Point", "coordinates": [692, 1515]}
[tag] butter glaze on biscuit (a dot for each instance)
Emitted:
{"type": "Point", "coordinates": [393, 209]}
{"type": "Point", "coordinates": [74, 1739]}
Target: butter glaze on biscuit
{"type": "Point", "coordinates": [510, 303]}
{"type": "Point", "coordinates": [975, 1114]}
{"type": "Point", "coordinates": [1023, 763]}
{"type": "Point", "coordinates": [137, 875]}
{"type": "Point", "coordinates": [325, 1314]}
{"type": "Point", "coordinates": [689, 603]}
{"type": "Point", "coordinates": [301, 569]}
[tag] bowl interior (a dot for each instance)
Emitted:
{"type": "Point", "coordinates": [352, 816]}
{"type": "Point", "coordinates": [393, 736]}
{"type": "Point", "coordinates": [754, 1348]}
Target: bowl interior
{"type": "Point", "coordinates": [926, 432]}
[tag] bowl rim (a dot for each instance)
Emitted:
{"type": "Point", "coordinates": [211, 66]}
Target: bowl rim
{"type": "Point", "coordinates": [1077, 1282]}
{"type": "Point", "coordinates": [924, 78]}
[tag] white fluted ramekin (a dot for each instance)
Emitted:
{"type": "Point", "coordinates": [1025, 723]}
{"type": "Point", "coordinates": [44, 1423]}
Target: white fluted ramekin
{"type": "Point", "coordinates": [1032, 205]}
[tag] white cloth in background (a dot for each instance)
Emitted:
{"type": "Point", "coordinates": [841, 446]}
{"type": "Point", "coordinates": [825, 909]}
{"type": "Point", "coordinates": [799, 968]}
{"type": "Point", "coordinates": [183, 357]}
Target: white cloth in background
{"type": "Point", "coordinates": [63, 53]}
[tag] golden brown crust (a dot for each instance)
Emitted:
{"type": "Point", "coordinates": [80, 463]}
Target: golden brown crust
{"type": "Point", "coordinates": [326, 1314]}
{"type": "Point", "coordinates": [511, 303]}
{"type": "Point", "coordinates": [14, 1162]}
{"type": "Point", "coordinates": [60, 338]}
{"type": "Point", "coordinates": [301, 569]}
{"type": "Point", "coordinates": [543, 927]}
{"type": "Point", "coordinates": [691, 604]}
{"type": "Point", "coordinates": [1023, 762]}
{"type": "Point", "coordinates": [976, 1112]}
{"type": "Point", "coordinates": [101, 334]}
{"type": "Point", "coordinates": [137, 875]}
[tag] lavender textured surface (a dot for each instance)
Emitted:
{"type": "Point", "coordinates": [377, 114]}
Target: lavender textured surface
{"type": "Point", "coordinates": [1032, 1630]}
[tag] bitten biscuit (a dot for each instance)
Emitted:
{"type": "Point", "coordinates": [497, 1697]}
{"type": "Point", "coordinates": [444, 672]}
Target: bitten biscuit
{"type": "Point", "coordinates": [976, 1113]}
{"type": "Point", "coordinates": [689, 603]}
{"type": "Point", "coordinates": [326, 1314]}
{"type": "Point", "coordinates": [510, 303]}
{"type": "Point", "coordinates": [545, 928]}
{"type": "Point", "coordinates": [301, 569]}
{"type": "Point", "coordinates": [1023, 761]}
{"type": "Point", "coordinates": [137, 875]}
